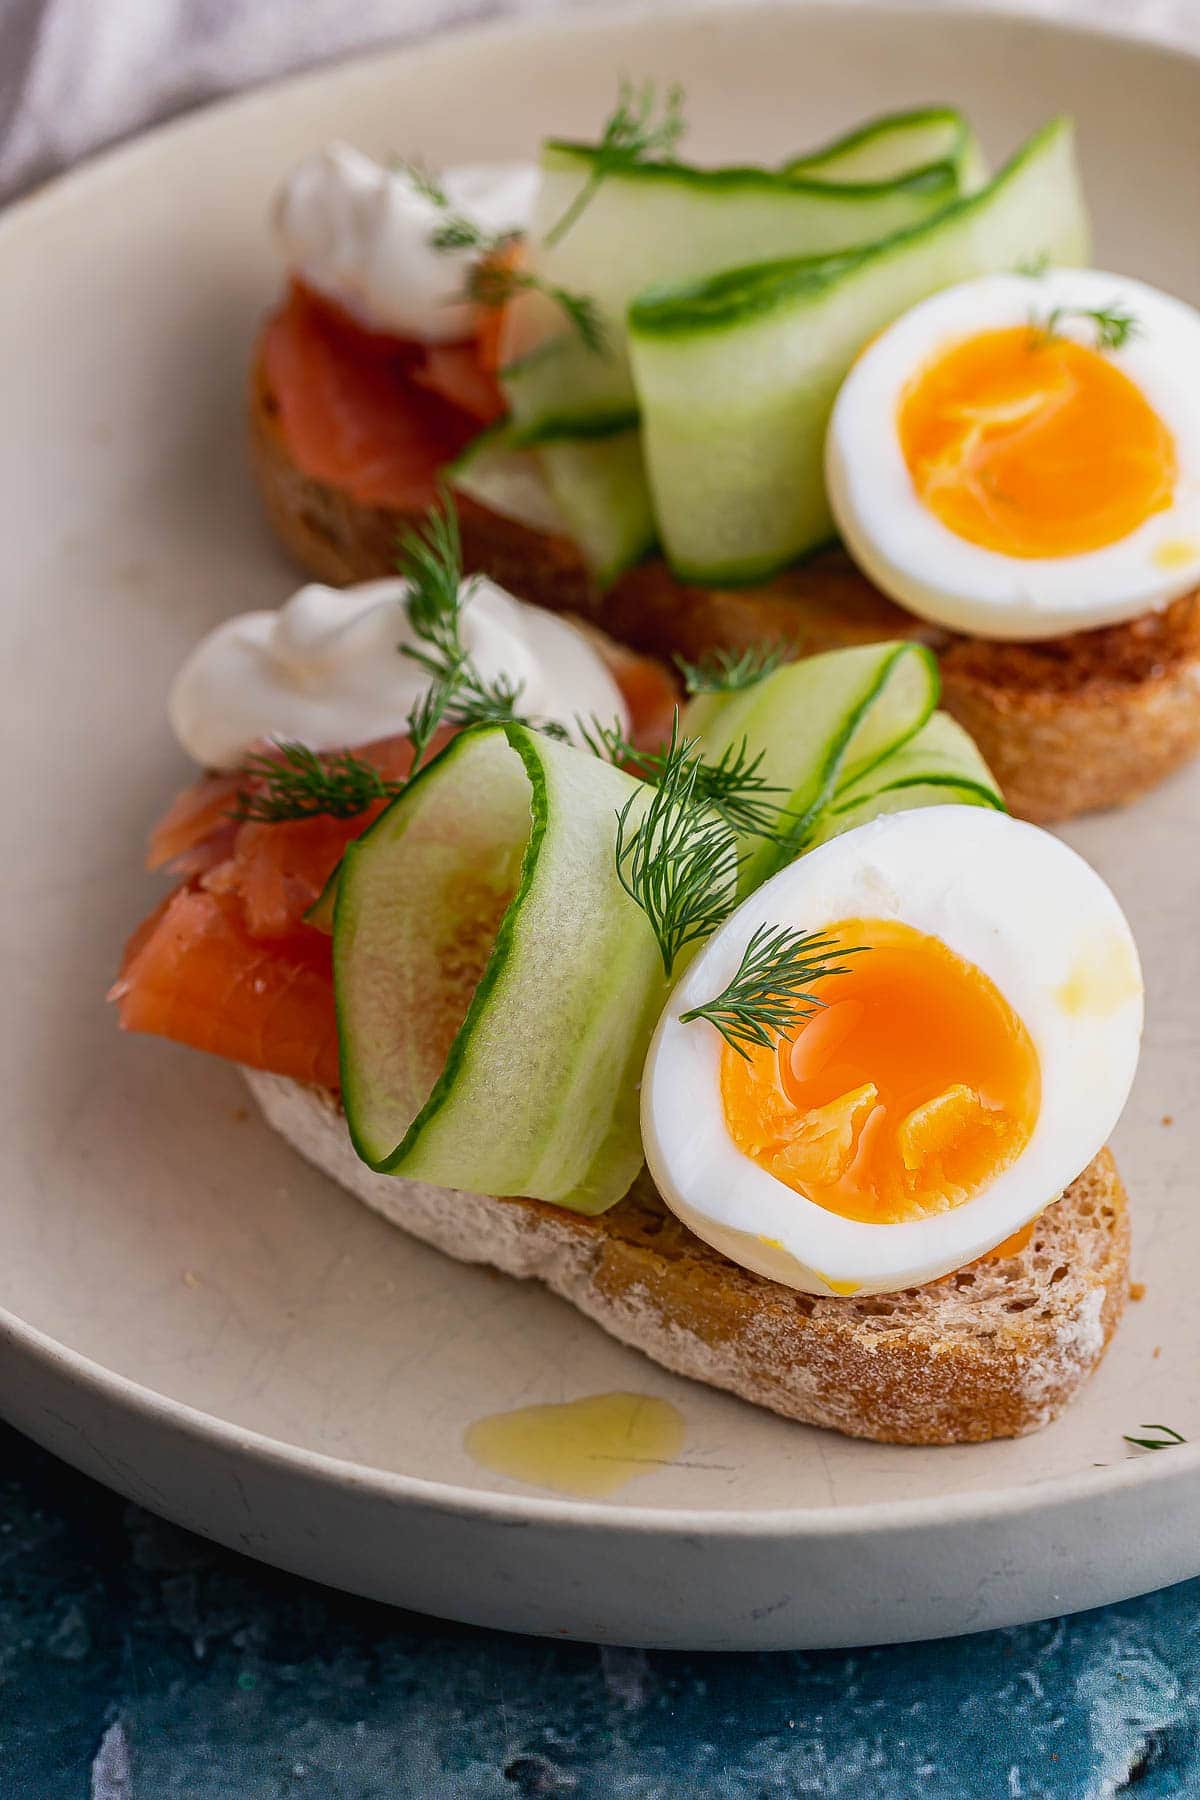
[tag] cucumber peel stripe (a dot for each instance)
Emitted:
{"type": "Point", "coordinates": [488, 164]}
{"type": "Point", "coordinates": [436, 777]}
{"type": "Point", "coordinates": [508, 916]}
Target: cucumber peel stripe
{"type": "Point", "coordinates": [938, 766]}
{"type": "Point", "coordinates": [822, 723]}
{"type": "Point", "coordinates": [737, 375]}
{"type": "Point", "coordinates": [895, 144]}
{"type": "Point", "coordinates": [659, 221]}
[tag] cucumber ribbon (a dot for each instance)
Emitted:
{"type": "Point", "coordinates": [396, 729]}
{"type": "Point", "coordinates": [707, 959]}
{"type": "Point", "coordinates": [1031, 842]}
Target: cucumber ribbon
{"type": "Point", "coordinates": [733, 302]}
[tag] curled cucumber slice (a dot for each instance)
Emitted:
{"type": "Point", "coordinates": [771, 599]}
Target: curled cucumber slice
{"type": "Point", "coordinates": [652, 222]}
{"type": "Point", "coordinates": [599, 486]}
{"type": "Point", "coordinates": [822, 725]}
{"type": "Point", "coordinates": [938, 766]}
{"type": "Point", "coordinates": [737, 374]}
{"type": "Point", "coordinates": [495, 472]}
{"type": "Point", "coordinates": [496, 986]}
{"type": "Point", "coordinates": [591, 488]}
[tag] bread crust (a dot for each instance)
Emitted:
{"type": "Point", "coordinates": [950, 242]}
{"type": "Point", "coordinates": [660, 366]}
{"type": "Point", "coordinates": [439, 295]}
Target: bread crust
{"type": "Point", "coordinates": [1071, 725]}
{"type": "Point", "coordinates": [996, 1350]}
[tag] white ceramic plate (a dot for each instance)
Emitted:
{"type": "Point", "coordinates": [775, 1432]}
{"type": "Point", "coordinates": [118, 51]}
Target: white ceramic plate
{"type": "Point", "coordinates": [199, 1319]}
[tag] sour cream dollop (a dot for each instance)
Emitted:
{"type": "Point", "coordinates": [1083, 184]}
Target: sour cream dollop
{"type": "Point", "coordinates": [360, 234]}
{"type": "Point", "coordinates": [325, 670]}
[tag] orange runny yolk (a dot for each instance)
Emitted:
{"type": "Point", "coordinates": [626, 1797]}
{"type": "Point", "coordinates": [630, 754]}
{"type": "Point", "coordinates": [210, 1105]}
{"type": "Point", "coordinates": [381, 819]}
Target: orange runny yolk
{"type": "Point", "coordinates": [1034, 445]}
{"type": "Point", "coordinates": [906, 1093]}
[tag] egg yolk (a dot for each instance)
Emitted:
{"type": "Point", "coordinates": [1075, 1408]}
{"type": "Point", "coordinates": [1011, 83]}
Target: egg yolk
{"type": "Point", "coordinates": [1034, 445]}
{"type": "Point", "coordinates": [907, 1092]}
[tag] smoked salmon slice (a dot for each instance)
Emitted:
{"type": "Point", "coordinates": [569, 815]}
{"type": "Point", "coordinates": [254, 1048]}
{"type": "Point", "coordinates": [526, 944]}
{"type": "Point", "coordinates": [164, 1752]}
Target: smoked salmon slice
{"type": "Point", "coordinates": [350, 409]}
{"type": "Point", "coordinates": [193, 973]}
{"type": "Point", "coordinates": [455, 372]}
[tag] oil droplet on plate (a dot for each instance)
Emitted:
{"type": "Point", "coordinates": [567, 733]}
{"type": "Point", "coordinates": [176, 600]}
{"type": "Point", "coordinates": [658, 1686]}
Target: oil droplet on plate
{"type": "Point", "coordinates": [589, 1447]}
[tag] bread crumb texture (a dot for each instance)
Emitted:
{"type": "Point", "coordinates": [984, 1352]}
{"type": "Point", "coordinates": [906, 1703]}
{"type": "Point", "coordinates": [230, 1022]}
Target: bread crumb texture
{"type": "Point", "coordinates": [995, 1350]}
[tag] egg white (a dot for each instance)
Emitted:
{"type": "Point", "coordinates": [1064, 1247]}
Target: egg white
{"type": "Point", "coordinates": [1005, 896]}
{"type": "Point", "coordinates": [916, 559]}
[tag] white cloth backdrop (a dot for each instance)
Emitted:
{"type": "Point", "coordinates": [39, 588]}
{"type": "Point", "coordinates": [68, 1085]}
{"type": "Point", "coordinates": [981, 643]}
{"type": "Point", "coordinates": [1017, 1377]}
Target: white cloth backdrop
{"type": "Point", "coordinates": [76, 74]}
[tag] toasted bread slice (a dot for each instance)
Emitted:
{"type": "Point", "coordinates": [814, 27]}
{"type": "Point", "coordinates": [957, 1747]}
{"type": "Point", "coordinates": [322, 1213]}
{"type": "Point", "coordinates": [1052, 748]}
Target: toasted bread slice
{"type": "Point", "coordinates": [996, 1350]}
{"type": "Point", "coordinates": [1070, 725]}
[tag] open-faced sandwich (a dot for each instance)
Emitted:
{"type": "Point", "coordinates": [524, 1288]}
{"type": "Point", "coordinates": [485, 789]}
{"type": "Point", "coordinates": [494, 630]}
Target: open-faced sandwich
{"type": "Point", "coordinates": [661, 389]}
{"type": "Point", "coordinates": [757, 1028]}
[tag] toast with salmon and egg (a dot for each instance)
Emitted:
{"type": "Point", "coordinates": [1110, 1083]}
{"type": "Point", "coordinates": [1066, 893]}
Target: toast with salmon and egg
{"type": "Point", "coordinates": [357, 401]}
{"type": "Point", "coordinates": [997, 1349]}
{"type": "Point", "coordinates": [1071, 725]}
{"type": "Point", "coordinates": [823, 1249]}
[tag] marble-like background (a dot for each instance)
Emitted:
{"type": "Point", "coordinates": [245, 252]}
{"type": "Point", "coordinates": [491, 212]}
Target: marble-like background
{"type": "Point", "coordinates": [139, 1663]}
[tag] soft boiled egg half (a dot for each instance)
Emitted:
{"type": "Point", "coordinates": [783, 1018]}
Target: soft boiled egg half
{"type": "Point", "coordinates": [964, 1067]}
{"type": "Point", "coordinates": [1019, 457]}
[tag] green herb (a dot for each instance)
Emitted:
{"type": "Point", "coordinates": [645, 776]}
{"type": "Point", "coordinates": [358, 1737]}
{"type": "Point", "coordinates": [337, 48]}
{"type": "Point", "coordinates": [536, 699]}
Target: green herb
{"type": "Point", "coordinates": [294, 782]}
{"type": "Point", "coordinates": [1034, 266]}
{"type": "Point", "coordinates": [631, 134]}
{"type": "Point", "coordinates": [1166, 1441]}
{"type": "Point", "coordinates": [772, 988]}
{"type": "Point", "coordinates": [729, 671]}
{"type": "Point", "coordinates": [679, 859]}
{"type": "Point", "coordinates": [1114, 326]}
{"type": "Point", "coordinates": [736, 788]}
{"type": "Point", "coordinates": [430, 560]}
{"type": "Point", "coordinates": [299, 783]}
{"type": "Point", "coordinates": [494, 284]}
{"type": "Point", "coordinates": [457, 232]}
{"type": "Point", "coordinates": [733, 786]}
{"type": "Point", "coordinates": [423, 179]}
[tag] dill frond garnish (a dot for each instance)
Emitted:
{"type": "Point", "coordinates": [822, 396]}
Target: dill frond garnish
{"type": "Point", "coordinates": [494, 280]}
{"type": "Point", "coordinates": [494, 283]}
{"type": "Point", "coordinates": [1114, 326]}
{"type": "Point", "coordinates": [729, 671]}
{"type": "Point", "coordinates": [1167, 1439]}
{"type": "Point", "coordinates": [678, 859]}
{"type": "Point", "coordinates": [771, 990]}
{"type": "Point", "coordinates": [632, 133]}
{"type": "Point", "coordinates": [430, 560]}
{"type": "Point", "coordinates": [733, 786]}
{"type": "Point", "coordinates": [294, 782]}
{"type": "Point", "coordinates": [423, 179]}
{"type": "Point", "coordinates": [299, 783]}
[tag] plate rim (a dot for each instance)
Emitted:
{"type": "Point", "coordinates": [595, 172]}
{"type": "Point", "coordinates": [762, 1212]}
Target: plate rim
{"type": "Point", "coordinates": [879, 1518]}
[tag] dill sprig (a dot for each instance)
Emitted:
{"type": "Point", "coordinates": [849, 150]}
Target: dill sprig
{"type": "Point", "coordinates": [1034, 267]}
{"type": "Point", "coordinates": [678, 859]}
{"type": "Point", "coordinates": [294, 782]}
{"type": "Point", "coordinates": [422, 178]}
{"type": "Point", "coordinates": [493, 284]}
{"type": "Point", "coordinates": [771, 990]}
{"type": "Point", "coordinates": [429, 558]}
{"type": "Point", "coordinates": [733, 786]}
{"type": "Point", "coordinates": [632, 134]}
{"type": "Point", "coordinates": [736, 788]}
{"type": "Point", "coordinates": [299, 783]}
{"type": "Point", "coordinates": [729, 671]}
{"type": "Point", "coordinates": [1167, 1439]}
{"type": "Point", "coordinates": [1114, 326]}
{"type": "Point", "coordinates": [493, 281]}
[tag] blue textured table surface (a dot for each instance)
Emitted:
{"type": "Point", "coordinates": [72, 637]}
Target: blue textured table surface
{"type": "Point", "coordinates": [140, 1663]}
